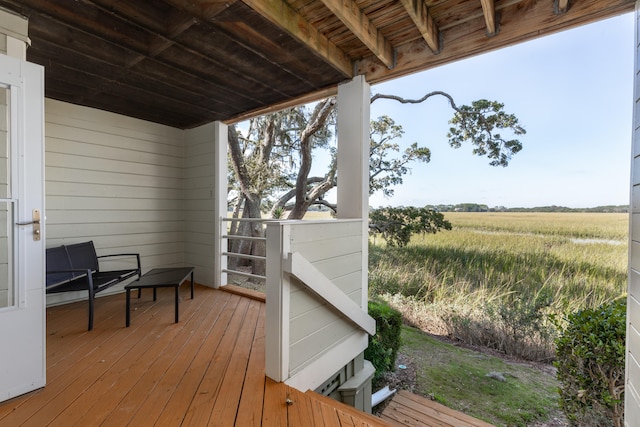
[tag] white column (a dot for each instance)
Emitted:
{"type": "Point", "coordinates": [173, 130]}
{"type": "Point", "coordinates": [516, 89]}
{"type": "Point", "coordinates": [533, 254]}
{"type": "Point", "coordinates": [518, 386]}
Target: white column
{"type": "Point", "coordinates": [221, 137]}
{"type": "Point", "coordinates": [632, 368]}
{"type": "Point", "coordinates": [354, 100]}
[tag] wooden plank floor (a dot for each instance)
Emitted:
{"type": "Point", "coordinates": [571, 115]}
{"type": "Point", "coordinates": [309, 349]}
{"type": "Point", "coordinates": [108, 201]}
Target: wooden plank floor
{"type": "Point", "coordinates": [407, 409]}
{"type": "Point", "coordinates": [208, 369]}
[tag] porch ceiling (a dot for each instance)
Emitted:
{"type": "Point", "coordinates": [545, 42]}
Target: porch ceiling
{"type": "Point", "coordinates": [188, 62]}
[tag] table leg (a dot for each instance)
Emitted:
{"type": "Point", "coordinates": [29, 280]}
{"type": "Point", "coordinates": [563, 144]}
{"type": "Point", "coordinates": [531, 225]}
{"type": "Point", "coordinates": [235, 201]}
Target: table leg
{"type": "Point", "coordinates": [128, 316]}
{"type": "Point", "coordinates": [154, 293]}
{"type": "Point", "coordinates": [177, 297]}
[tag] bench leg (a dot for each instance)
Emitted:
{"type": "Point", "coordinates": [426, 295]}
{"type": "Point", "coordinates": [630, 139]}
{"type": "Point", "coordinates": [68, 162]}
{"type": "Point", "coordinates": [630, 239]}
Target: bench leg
{"type": "Point", "coordinates": [128, 315]}
{"type": "Point", "coordinates": [177, 299]}
{"type": "Point", "coordinates": [91, 294]}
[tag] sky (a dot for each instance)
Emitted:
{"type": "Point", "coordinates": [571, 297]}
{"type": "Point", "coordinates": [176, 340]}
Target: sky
{"type": "Point", "coordinates": [571, 91]}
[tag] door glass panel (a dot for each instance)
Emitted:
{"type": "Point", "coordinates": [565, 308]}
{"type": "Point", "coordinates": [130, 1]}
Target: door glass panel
{"type": "Point", "coordinates": [7, 293]}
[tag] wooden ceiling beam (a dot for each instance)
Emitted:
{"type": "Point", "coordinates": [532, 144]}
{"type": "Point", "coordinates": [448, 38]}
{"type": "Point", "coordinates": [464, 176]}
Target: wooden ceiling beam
{"type": "Point", "coordinates": [517, 24]}
{"type": "Point", "coordinates": [352, 16]}
{"type": "Point", "coordinates": [419, 13]}
{"type": "Point", "coordinates": [282, 15]}
{"type": "Point", "coordinates": [489, 11]}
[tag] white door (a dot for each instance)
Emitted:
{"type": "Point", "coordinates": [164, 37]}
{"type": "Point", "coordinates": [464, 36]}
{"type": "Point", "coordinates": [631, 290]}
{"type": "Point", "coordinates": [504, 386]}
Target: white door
{"type": "Point", "coordinates": [22, 299]}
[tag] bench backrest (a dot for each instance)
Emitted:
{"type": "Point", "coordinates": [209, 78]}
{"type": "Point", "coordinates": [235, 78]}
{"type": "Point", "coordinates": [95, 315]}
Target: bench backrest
{"type": "Point", "coordinates": [75, 256]}
{"type": "Point", "coordinates": [83, 255]}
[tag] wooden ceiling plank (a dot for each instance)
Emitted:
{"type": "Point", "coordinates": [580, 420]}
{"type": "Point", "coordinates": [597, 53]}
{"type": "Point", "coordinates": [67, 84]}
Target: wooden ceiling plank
{"type": "Point", "coordinates": [419, 13]}
{"type": "Point", "coordinates": [202, 9]}
{"type": "Point", "coordinates": [489, 11]}
{"type": "Point", "coordinates": [352, 16]}
{"type": "Point", "coordinates": [281, 14]}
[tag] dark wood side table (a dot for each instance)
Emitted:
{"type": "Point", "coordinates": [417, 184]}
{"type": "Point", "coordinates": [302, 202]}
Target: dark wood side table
{"type": "Point", "coordinates": [159, 278]}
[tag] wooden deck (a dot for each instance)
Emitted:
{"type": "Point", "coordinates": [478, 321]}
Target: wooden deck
{"type": "Point", "coordinates": [208, 369]}
{"type": "Point", "coordinates": [407, 409]}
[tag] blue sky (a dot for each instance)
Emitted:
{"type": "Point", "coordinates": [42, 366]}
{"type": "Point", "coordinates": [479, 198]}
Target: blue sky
{"type": "Point", "coordinates": [573, 93]}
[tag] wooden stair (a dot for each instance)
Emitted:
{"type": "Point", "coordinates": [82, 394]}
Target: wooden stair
{"type": "Point", "coordinates": [408, 409]}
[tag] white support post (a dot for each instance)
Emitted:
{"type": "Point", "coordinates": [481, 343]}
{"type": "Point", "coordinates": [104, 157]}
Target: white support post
{"type": "Point", "coordinates": [219, 190]}
{"type": "Point", "coordinates": [278, 304]}
{"type": "Point", "coordinates": [354, 100]}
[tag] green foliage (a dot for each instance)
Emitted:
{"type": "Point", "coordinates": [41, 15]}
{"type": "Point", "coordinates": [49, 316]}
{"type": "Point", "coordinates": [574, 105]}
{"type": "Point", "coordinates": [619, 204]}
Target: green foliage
{"type": "Point", "coordinates": [590, 362]}
{"type": "Point", "coordinates": [385, 169]}
{"type": "Point", "coordinates": [480, 124]}
{"type": "Point", "coordinates": [397, 224]}
{"type": "Point", "coordinates": [383, 346]}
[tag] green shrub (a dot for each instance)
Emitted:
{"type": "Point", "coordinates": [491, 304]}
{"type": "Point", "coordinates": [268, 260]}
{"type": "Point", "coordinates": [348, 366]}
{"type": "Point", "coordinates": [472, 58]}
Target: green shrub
{"type": "Point", "coordinates": [384, 345]}
{"type": "Point", "coordinates": [590, 360]}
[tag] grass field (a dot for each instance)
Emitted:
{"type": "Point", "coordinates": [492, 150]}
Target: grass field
{"type": "Point", "coordinates": [502, 279]}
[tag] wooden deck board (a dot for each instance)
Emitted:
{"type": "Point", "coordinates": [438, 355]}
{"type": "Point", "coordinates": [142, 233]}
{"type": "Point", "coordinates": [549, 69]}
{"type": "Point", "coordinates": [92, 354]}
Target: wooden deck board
{"type": "Point", "coordinates": [187, 381]}
{"type": "Point", "coordinates": [98, 401]}
{"type": "Point", "coordinates": [153, 405]}
{"type": "Point", "coordinates": [208, 369]}
{"type": "Point", "coordinates": [407, 409]}
{"type": "Point", "coordinates": [250, 406]}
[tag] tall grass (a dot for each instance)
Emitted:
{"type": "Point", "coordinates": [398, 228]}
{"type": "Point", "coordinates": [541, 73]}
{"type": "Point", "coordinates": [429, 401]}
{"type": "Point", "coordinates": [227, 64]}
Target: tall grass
{"type": "Point", "coordinates": [503, 279]}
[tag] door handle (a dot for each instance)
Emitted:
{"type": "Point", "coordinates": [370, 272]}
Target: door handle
{"type": "Point", "coordinates": [35, 221]}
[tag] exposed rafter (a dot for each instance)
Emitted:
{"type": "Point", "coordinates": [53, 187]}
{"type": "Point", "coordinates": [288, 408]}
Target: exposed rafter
{"type": "Point", "coordinates": [419, 13]}
{"type": "Point", "coordinates": [281, 14]}
{"type": "Point", "coordinates": [489, 11]}
{"type": "Point", "coordinates": [350, 14]}
{"type": "Point", "coordinates": [561, 6]}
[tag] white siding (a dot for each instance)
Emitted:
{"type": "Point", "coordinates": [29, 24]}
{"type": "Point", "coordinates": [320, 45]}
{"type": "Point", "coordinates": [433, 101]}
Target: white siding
{"type": "Point", "coordinates": [200, 238]}
{"type": "Point", "coordinates": [315, 329]}
{"type": "Point", "coordinates": [117, 181]}
{"type": "Point", "coordinates": [632, 396]}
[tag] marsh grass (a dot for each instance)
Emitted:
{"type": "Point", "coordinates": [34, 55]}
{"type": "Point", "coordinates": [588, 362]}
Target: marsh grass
{"type": "Point", "coordinates": [503, 279]}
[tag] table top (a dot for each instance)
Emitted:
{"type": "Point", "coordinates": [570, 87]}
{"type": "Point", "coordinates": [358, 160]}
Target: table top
{"type": "Point", "coordinates": [159, 277]}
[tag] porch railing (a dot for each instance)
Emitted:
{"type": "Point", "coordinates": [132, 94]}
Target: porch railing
{"type": "Point", "coordinates": [316, 314]}
{"type": "Point", "coordinates": [234, 267]}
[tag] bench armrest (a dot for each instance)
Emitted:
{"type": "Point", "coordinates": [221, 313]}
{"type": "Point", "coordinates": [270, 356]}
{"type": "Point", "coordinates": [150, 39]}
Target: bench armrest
{"type": "Point", "coordinates": [121, 255]}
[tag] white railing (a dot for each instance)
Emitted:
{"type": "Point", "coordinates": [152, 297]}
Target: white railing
{"type": "Point", "coordinates": [247, 271]}
{"type": "Point", "coordinates": [316, 313]}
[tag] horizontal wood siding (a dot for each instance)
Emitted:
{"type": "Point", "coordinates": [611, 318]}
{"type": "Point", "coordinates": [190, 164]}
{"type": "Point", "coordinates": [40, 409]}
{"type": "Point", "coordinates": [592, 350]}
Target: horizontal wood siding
{"type": "Point", "coordinates": [200, 239]}
{"type": "Point", "coordinates": [335, 249]}
{"type": "Point", "coordinates": [632, 385]}
{"type": "Point", "coordinates": [117, 181]}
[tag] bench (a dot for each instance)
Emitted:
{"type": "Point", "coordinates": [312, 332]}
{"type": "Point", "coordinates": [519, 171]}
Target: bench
{"type": "Point", "coordinates": [76, 267]}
